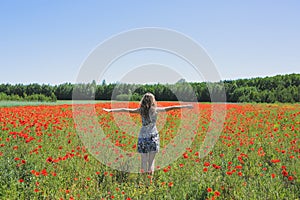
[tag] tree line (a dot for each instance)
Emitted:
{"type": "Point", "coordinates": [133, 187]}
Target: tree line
{"type": "Point", "coordinates": [280, 88]}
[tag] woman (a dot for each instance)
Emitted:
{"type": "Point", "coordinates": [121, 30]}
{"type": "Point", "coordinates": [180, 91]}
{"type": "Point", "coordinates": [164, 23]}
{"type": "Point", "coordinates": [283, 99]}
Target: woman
{"type": "Point", "coordinates": [148, 140]}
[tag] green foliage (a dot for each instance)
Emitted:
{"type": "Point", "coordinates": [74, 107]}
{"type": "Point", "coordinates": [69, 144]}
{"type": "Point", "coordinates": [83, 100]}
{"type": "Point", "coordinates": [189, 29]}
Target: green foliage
{"type": "Point", "coordinates": [280, 88]}
{"type": "Point", "coordinates": [136, 97]}
{"type": "Point", "coordinates": [33, 97]}
{"type": "Point", "coordinates": [123, 97]}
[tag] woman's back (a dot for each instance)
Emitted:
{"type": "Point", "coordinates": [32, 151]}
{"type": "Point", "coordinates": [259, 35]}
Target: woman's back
{"type": "Point", "coordinates": [148, 128]}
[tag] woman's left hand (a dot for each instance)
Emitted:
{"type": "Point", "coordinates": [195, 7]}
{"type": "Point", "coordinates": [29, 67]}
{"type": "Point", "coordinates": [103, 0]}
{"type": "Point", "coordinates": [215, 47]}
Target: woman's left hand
{"type": "Point", "coordinates": [107, 110]}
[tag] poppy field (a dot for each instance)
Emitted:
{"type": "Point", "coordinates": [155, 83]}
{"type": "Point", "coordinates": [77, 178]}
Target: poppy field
{"type": "Point", "coordinates": [256, 156]}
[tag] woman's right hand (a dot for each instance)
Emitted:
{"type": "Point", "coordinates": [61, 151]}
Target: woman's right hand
{"type": "Point", "coordinates": [189, 106]}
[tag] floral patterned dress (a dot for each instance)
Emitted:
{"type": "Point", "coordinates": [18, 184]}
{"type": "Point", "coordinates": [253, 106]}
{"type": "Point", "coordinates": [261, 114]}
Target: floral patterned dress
{"type": "Point", "coordinates": [148, 140]}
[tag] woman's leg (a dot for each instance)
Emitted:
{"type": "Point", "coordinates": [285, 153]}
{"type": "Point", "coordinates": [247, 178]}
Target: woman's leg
{"type": "Point", "coordinates": [144, 162]}
{"type": "Point", "coordinates": [144, 167]}
{"type": "Point", "coordinates": [151, 161]}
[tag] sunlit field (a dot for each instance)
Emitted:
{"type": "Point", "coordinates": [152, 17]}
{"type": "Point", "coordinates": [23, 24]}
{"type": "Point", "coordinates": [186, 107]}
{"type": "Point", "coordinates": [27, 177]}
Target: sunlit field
{"type": "Point", "coordinates": [257, 156]}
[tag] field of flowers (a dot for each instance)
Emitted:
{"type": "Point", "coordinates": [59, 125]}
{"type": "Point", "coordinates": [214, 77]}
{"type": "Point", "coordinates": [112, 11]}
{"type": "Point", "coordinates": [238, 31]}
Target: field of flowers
{"type": "Point", "coordinates": [257, 156]}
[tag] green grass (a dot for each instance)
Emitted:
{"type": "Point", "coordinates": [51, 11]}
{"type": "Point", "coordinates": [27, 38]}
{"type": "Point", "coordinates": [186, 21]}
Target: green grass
{"type": "Point", "coordinates": [36, 103]}
{"type": "Point", "coordinates": [42, 156]}
{"type": "Point", "coordinates": [24, 103]}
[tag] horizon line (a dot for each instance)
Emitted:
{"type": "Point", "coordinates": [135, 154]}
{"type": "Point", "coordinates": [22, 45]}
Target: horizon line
{"type": "Point", "coordinates": [186, 81]}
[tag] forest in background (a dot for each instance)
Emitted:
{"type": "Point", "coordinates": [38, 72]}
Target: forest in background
{"type": "Point", "coordinates": [279, 88]}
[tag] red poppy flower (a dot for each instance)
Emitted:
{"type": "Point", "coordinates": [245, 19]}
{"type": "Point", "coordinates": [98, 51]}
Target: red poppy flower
{"type": "Point", "coordinates": [217, 193]}
{"type": "Point", "coordinates": [86, 157]}
{"type": "Point", "coordinates": [49, 159]}
{"type": "Point", "coordinates": [185, 155]}
{"type": "Point", "coordinates": [273, 175]}
{"type": "Point", "coordinates": [284, 173]}
{"type": "Point", "coordinates": [229, 173]}
{"type": "Point", "coordinates": [44, 172]}
{"type": "Point", "coordinates": [275, 161]}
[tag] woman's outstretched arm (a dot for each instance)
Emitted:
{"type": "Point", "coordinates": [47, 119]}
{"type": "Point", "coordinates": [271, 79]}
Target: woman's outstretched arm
{"type": "Point", "coordinates": [162, 109]}
{"type": "Point", "coordinates": [131, 110]}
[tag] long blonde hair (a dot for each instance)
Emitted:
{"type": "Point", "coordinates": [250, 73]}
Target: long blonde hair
{"type": "Point", "coordinates": [148, 105]}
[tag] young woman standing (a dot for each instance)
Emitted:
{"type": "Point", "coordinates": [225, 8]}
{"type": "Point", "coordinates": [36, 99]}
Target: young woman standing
{"type": "Point", "coordinates": [148, 139]}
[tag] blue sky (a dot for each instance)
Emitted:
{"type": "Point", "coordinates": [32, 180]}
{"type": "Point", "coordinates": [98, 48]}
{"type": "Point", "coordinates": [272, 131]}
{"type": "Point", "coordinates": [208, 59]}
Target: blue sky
{"type": "Point", "coordinates": [47, 41]}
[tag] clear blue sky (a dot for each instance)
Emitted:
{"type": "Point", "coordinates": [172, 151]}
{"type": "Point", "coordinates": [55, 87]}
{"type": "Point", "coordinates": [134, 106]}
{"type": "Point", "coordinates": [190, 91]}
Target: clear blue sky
{"type": "Point", "coordinates": [46, 41]}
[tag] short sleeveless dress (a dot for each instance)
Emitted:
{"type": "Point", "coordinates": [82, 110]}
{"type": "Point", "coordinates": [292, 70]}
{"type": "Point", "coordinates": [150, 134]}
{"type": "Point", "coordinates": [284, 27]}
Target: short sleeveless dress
{"type": "Point", "coordinates": [148, 140]}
